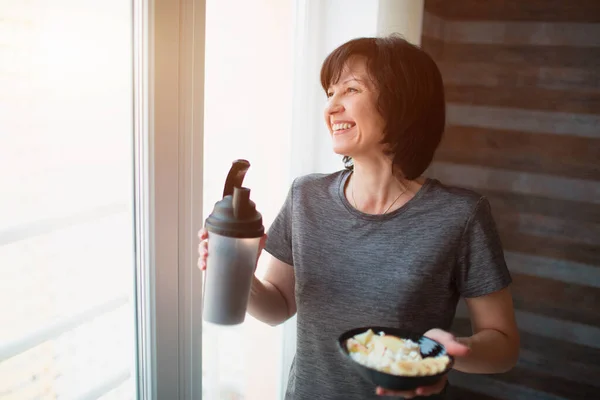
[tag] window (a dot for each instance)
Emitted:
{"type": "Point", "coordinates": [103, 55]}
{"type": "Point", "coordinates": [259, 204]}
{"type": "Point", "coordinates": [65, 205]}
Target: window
{"type": "Point", "coordinates": [101, 115]}
{"type": "Point", "coordinates": [66, 210]}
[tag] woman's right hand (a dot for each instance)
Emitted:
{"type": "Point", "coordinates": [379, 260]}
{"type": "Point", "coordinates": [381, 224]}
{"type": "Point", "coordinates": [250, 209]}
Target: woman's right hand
{"type": "Point", "coordinates": [203, 248]}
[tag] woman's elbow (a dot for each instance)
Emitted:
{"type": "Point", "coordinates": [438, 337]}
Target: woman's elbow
{"type": "Point", "coordinates": [513, 352]}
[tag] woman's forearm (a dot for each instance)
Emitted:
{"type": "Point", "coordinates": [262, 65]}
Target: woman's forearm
{"type": "Point", "coordinates": [266, 303]}
{"type": "Point", "coordinates": [491, 352]}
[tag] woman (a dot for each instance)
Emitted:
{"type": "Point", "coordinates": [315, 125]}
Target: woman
{"type": "Point", "coordinates": [377, 243]}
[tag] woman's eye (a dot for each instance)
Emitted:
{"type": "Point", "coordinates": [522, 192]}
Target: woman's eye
{"type": "Point", "coordinates": [348, 90]}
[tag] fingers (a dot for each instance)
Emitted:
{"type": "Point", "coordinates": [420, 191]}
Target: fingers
{"type": "Point", "coordinates": [409, 394]}
{"type": "Point", "coordinates": [440, 335]}
{"type": "Point", "coordinates": [449, 341]}
{"type": "Point", "coordinates": [433, 389]}
{"type": "Point", "coordinates": [202, 249]}
{"type": "Point", "coordinates": [457, 349]}
{"type": "Point", "coordinates": [422, 391]}
{"type": "Point", "coordinates": [202, 255]}
{"type": "Point", "coordinates": [405, 394]}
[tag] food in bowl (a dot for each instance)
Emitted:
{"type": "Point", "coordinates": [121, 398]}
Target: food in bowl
{"type": "Point", "coordinates": [393, 355]}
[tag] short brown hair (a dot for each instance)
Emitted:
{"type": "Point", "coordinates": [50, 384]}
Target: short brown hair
{"type": "Point", "coordinates": [411, 97]}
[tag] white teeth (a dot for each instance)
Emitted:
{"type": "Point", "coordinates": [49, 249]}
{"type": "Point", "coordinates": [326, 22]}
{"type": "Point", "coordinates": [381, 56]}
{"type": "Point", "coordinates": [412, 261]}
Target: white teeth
{"type": "Point", "coordinates": [338, 127]}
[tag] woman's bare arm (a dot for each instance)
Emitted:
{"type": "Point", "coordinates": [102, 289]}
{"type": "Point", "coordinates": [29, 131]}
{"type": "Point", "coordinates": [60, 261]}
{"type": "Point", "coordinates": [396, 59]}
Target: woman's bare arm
{"type": "Point", "coordinates": [272, 299]}
{"type": "Point", "coordinates": [495, 341]}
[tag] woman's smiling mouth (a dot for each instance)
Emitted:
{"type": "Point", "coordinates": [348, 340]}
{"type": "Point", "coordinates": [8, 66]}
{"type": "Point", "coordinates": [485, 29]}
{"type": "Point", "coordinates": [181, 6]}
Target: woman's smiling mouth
{"type": "Point", "coordinates": [339, 128]}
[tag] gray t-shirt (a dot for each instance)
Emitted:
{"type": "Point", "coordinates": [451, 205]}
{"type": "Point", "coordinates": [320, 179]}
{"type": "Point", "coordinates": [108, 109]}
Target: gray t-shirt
{"type": "Point", "coordinates": [404, 269]}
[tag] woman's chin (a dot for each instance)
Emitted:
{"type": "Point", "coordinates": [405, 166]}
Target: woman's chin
{"type": "Point", "coordinates": [342, 150]}
{"type": "Point", "coordinates": [342, 147]}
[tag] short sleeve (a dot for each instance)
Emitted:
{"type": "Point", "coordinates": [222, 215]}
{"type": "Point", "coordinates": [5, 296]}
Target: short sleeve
{"type": "Point", "coordinates": [279, 240]}
{"type": "Point", "coordinates": [481, 267]}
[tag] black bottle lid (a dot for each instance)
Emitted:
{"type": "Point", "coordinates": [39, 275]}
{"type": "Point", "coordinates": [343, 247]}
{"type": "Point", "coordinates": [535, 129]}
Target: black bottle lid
{"type": "Point", "coordinates": [235, 214]}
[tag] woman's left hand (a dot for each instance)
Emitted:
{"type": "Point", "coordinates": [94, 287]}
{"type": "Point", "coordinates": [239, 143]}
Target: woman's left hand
{"type": "Point", "coordinates": [453, 347]}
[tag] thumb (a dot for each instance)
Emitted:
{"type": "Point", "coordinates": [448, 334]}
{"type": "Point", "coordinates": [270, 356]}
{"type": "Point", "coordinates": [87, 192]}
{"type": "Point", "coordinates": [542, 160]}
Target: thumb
{"type": "Point", "coordinates": [449, 341]}
{"type": "Point", "coordinates": [456, 348]}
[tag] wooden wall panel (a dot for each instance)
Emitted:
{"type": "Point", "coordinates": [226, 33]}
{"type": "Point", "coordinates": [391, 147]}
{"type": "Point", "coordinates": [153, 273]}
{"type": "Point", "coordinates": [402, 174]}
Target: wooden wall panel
{"type": "Point", "coordinates": [496, 76]}
{"type": "Point", "coordinates": [530, 98]}
{"type": "Point", "coordinates": [523, 129]}
{"type": "Point", "coordinates": [516, 10]}
{"type": "Point", "coordinates": [564, 155]}
{"type": "Point", "coordinates": [516, 56]}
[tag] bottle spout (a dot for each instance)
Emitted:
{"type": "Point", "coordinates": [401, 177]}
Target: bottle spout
{"type": "Point", "coordinates": [235, 215]}
{"type": "Point", "coordinates": [241, 200]}
{"type": "Point", "coordinates": [236, 175]}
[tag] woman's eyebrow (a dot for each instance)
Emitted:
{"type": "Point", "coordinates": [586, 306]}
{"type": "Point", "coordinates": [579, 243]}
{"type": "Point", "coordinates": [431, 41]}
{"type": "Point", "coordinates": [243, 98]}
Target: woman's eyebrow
{"type": "Point", "coordinates": [353, 79]}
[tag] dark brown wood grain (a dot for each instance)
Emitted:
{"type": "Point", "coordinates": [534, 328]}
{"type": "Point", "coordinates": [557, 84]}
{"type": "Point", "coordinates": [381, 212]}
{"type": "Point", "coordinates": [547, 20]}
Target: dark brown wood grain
{"type": "Point", "coordinates": [550, 247]}
{"type": "Point", "coordinates": [549, 227]}
{"type": "Point", "coordinates": [569, 369]}
{"type": "Point", "coordinates": [547, 383]}
{"type": "Point", "coordinates": [523, 106]}
{"type": "Point", "coordinates": [492, 386]}
{"type": "Point", "coordinates": [478, 178]}
{"type": "Point", "coordinates": [502, 202]}
{"type": "Point", "coordinates": [525, 76]}
{"type": "Point", "coordinates": [458, 393]}
{"type": "Point", "coordinates": [556, 299]}
{"type": "Point", "coordinates": [517, 10]}
{"type": "Point", "coordinates": [545, 356]}
{"type": "Point", "coordinates": [432, 46]}
{"type": "Point", "coordinates": [554, 351]}
{"type": "Point", "coordinates": [514, 56]}
{"type": "Point", "coordinates": [585, 101]}
{"type": "Point", "coordinates": [564, 155]}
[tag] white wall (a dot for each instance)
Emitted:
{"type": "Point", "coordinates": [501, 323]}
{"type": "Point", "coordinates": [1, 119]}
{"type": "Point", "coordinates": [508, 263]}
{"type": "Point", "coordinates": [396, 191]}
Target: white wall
{"type": "Point", "coordinates": [401, 16]}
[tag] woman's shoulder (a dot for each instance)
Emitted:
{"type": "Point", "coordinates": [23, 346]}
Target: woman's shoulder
{"type": "Point", "coordinates": [454, 198]}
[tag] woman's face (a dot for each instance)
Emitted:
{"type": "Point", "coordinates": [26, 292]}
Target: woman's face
{"type": "Point", "coordinates": [351, 114]}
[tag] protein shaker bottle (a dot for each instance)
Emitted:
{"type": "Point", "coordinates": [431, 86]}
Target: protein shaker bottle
{"type": "Point", "coordinates": [234, 231]}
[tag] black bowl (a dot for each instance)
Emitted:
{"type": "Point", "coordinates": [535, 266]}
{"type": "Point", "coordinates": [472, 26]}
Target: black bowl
{"type": "Point", "coordinates": [429, 348]}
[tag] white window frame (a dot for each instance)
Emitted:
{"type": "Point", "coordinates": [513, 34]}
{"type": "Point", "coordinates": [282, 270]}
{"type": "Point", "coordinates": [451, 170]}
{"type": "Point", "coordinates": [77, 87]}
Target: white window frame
{"type": "Point", "coordinates": [168, 124]}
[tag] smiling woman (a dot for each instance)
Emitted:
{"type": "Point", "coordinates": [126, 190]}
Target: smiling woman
{"type": "Point", "coordinates": [376, 244]}
{"type": "Point", "coordinates": [371, 244]}
{"type": "Point", "coordinates": [366, 67]}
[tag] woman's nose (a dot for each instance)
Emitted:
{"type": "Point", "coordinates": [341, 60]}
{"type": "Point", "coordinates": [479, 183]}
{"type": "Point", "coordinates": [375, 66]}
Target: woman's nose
{"type": "Point", "coordinates": [334, 105]}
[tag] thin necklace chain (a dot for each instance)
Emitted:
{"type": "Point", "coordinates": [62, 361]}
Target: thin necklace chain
{"type": "Point", "coordinates": [387, 209]}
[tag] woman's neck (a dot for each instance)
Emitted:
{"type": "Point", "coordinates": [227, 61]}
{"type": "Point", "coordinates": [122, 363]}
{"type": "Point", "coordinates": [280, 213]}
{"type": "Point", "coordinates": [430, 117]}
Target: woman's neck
{"type": "Point", "coordinates": [373, 188]}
